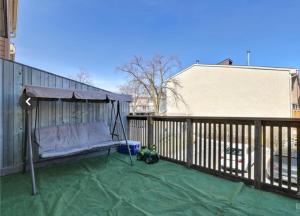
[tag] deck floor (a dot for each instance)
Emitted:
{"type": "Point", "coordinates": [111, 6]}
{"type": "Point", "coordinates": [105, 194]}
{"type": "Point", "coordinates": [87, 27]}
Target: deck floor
{"type": "Point", "coordinates": [93, 187]}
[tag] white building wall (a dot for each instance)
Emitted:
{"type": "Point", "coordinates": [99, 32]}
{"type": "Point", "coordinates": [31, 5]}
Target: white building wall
{"type": "Point", "coordinates": [237, 91]}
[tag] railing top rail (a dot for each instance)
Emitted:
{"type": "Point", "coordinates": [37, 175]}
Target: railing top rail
{"type": "Point", "coordinates": [205, 118]}
{"type": "Point", "coordinates": [137, 117]}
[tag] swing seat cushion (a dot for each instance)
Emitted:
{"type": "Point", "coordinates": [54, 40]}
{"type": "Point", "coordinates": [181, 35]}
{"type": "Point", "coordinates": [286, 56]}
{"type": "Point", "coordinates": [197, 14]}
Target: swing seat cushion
{"type": "Point", "coordinates": [70, 139]}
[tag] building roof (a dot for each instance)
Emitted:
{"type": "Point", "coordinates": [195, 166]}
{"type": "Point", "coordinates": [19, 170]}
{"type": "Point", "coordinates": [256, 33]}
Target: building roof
{"type": "Point", "coordinates": [227, 61]}
{"type": "Point", "coordinates": [293, 71]}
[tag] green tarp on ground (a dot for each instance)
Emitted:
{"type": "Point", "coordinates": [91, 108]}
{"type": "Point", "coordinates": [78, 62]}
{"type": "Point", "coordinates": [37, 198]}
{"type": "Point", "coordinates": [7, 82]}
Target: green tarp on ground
{"type": "Point", "coordinates": [93, 187]}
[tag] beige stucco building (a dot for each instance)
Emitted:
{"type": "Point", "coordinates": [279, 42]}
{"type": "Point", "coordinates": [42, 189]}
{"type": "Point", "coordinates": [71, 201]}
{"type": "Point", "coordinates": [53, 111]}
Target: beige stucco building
{"type": "Point", "coordinates": [236, 91]}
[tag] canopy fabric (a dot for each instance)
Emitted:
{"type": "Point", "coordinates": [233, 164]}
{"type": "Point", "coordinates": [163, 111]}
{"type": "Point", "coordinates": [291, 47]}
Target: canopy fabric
{"type": "Point", "coordinates": [90, 95]}
{"type": "Point", "coordinates": [59, 93]}
{"type": "Point", "coordinates": [45, 92]}
{"type": "Point", "coordinates": [120, 97]}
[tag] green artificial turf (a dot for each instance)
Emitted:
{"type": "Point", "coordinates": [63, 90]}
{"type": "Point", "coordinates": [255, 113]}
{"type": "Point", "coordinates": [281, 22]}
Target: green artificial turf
{"type": "Point", "coordinates": [94, 187]}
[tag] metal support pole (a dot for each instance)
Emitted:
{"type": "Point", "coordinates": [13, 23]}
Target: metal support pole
{"type": "Point", "coordinates": [25, 146]}
{"type": "Point", "coordinates": [124, 133]}
{"type": "Point", "coordinates": [112, 111]}
{"type": "Point", "coordinates": [257, 154]}
{"type": "Point", "coordinates": [115, 123]}
{"type": "Point", "coordinates": [150, 131]}
{"type": "Point", "coordinates": [128, 128]}
{"type": "Point", "coordinates": [108, 152]}
{"type": "Point", "coordinates": [190, 133]}
{"type": "Point", "coordinates": [29, 144]}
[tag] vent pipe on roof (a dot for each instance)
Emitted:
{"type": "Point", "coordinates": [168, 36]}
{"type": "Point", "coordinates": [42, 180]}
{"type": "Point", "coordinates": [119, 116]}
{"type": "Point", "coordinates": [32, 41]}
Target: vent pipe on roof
{"type": "Point", "coordinates": [248, 57]}
{"type": "Point", "coordinates": [197, 61]}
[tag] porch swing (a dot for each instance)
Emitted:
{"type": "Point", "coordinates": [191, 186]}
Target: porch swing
{"type": "Point", "coordinates": [70, 139]}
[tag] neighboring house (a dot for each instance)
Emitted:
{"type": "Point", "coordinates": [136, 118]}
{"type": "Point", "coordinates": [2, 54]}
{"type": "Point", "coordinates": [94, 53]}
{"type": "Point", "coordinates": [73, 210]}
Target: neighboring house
{"type": "Point", "coordinates": [236, 91]}
{"type": "Point", "coordinates": [296, 96]}
{"type": "Point", "coordinates": [8, 27]}
{"type": "Point", "coordinates": [141, 105]}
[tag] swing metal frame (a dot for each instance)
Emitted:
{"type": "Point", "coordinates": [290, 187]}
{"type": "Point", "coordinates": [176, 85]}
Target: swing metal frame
{"type": "Point", "coordinates": [28, 149]}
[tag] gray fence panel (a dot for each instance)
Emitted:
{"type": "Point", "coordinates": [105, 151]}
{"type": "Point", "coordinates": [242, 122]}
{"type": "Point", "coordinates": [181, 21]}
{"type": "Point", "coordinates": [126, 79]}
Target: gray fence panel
{"type": "Point", "coordinates": [17, 115]}
{"type": "Point", "coordinates": [8, 87]}
{"type": "Point", "coordinates": [13, 77]}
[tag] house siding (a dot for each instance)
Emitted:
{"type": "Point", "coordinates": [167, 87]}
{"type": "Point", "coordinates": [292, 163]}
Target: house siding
{"type": "Point", "coordinates": [232, 91]}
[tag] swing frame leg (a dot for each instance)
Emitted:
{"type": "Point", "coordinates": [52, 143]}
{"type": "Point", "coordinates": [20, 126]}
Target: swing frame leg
{"type": "Point", "coordinates": [29, 145]}
{"type": "Point", "coordinates": [118, 116]}
{"type": "Point", "coordinates": [25, 147]}
{"type": "Point", "coordinates": [108, 153]}
{"type": "Point", "coordinates": [126, 141]}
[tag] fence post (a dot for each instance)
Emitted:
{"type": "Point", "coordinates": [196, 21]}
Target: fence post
{"type": "Point", "coordinates": [190, 132]}
{"type": "Point", "coordinates": [257, 153]}
{"type": "Point", "coordinates": [150, 131]}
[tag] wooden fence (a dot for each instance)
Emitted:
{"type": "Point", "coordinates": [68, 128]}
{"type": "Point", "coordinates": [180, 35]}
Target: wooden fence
{"type": "Point", "coordinates": [261, 152]}
{"type": "Point", "coordinates": [13, 77]}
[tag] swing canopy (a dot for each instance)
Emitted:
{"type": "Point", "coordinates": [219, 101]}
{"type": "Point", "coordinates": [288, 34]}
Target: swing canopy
{"type": "Point", "coordinates": [67, 139]}
{"type": "Point", "coordinates": [60, 93]}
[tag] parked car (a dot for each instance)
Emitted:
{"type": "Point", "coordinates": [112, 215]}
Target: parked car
{"type": "Point", "coordinates": [284, 167]}
{"type": "Point", "coordinates": [239, 158]}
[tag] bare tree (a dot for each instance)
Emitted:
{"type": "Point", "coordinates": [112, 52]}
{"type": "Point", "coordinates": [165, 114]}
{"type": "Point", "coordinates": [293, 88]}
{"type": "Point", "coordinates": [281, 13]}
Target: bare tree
{"type": "Point", "coordinates": [154, 77]}
{"type": "Point", "coordinates": [133, 88]}
{"type": "Point", "coordinates": [82, 76]}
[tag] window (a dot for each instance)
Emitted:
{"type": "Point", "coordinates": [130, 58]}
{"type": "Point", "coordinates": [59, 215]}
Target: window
{"type": "Point", "coordinates": [295, 106]}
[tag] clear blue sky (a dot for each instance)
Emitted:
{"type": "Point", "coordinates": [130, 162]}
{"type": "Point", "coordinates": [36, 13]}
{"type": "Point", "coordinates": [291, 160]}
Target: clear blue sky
{"type": "Point", "coordinates": [62, 36]}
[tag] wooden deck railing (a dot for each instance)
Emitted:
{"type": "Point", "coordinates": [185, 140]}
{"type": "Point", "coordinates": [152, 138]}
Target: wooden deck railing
{"type": "Point", "coordinates": [267, 154]}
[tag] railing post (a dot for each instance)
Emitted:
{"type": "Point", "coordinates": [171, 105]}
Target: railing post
{"type": "Point", "coordinates": [257, 153]}
{"type": "Point", "coordinates": [190, 132]}
{"type": "Point", "coordinates": [150, 130]}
